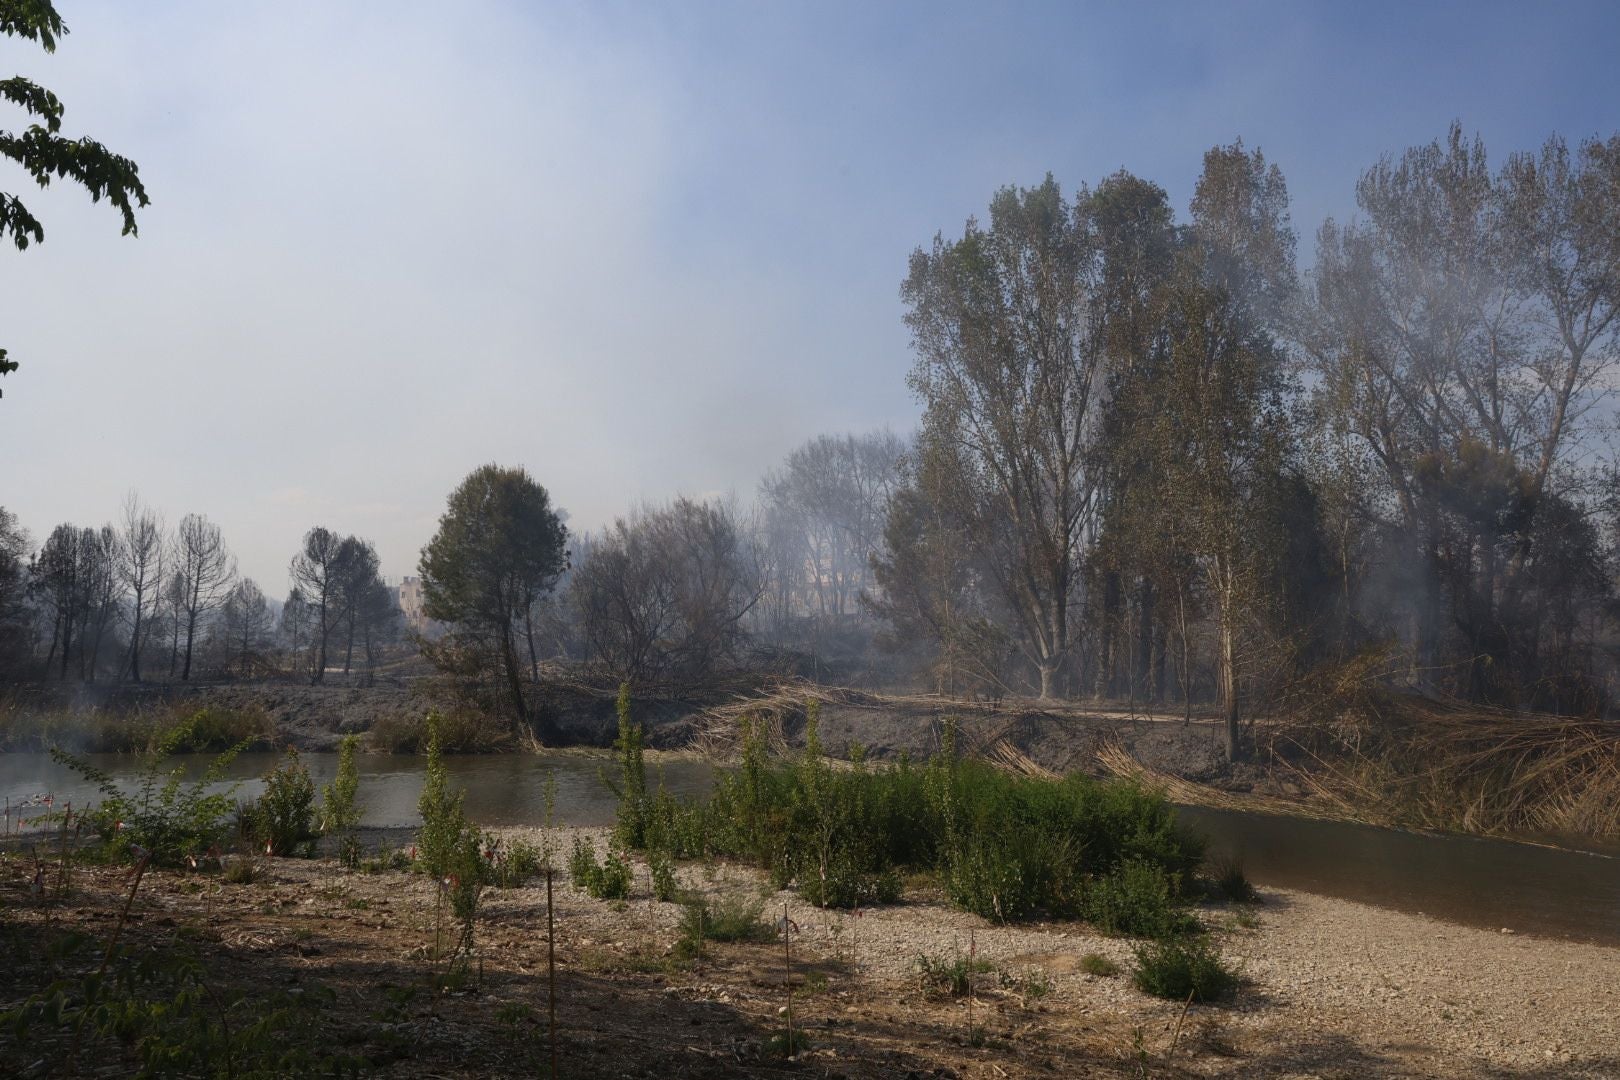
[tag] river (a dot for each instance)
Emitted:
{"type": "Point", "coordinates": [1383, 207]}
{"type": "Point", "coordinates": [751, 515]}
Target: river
{"type": "Point", "coordinates": [1494, 884]}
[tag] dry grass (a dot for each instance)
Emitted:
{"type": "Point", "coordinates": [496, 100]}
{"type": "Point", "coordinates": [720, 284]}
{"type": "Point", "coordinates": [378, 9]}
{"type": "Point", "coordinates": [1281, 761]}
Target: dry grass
{"type": "Point", "coordinates": [1444, 764]}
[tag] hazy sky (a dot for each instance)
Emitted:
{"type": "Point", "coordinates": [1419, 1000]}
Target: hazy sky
{"type": "Point", "coordinates": [641, 250]}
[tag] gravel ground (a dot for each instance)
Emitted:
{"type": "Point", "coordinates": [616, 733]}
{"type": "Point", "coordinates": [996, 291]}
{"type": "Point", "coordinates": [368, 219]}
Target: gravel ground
{"type": "Point", "coordinates": [1332, 988]}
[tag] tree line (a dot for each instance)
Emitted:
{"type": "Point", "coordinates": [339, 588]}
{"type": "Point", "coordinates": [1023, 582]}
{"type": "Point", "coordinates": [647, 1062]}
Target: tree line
{"type": "Point", "coordinates": [138, 601]}
{"type": "Point", "coordinates": [1157, 462]}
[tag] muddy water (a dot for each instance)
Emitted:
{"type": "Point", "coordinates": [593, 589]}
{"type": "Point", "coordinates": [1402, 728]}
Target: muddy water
{"type": "Point", "coordinates": [1493, 884]}
{"type": "Point", "coordinates": [1487, 883]}
{"type": "Point", "coordinates": [502, 789]}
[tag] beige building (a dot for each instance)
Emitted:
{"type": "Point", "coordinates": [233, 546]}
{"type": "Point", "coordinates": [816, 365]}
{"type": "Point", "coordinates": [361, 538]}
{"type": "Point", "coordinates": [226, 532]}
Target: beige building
{"type": "Point", "coordinates": [410, 605]}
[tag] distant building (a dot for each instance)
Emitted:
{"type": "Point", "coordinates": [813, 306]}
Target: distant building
{"type": "Point", "coordinates": [410, 605]}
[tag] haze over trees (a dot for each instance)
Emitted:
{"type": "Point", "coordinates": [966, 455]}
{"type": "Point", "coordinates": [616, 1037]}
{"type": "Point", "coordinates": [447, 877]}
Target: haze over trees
{"type": "Point", "coordinates": [1157, 463]}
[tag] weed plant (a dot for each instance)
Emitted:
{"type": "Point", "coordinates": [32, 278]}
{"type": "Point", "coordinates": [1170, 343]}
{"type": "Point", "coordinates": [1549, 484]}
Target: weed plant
{"type": "Point", "coordinates": [953, 976]}
{"type": "Point", "coordinates": [160, 1009]}
{"type": "Point", "coordinates": [1230, 882]}
{"type": "Point", "coordinates": [1099, 965]}
{"type": "Point", "coordinates": [725, 920]}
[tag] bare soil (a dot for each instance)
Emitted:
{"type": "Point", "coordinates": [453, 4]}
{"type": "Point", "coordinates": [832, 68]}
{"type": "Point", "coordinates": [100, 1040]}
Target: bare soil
{"type": "Point", "coordinates": [1332, 989]}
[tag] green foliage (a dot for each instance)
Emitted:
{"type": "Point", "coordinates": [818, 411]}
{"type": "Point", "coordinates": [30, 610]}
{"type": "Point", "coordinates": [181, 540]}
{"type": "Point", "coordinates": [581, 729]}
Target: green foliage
{"type": "Point", "coordinates": [443, 822]}
{"type": "Point", "coordinates": [1098, 964]}
{"type": "Point", "coordinates": [510, 865]}
{"type": "Point", "coordinates": [160, 1008]}
{"type": "Point", "coordinates": [1003, 846]}
{"type": "Point", "coordinates": [731, 919]}
{"type": "Point", "coordinates": [953, 976]}
{"type": "Point", "coordinates": [606, 880]}
{"type": "Point", "coordinates": [44, 153]}
{"type": "Point", "coordinates": [163, 815]}
{"type": "Point", "coordinates": [1229, 880]}
{"type": "Point", "coordinates": [340, 812]}
{"type": "Point", "coordinates": [786, 1044]}
{"type": "Point", "coordinates": [285, 813]}
{"type": "Point", "coordinates": [1181, 967]}
{"type": "Point", "coordinates": [1138, 898]}
{"type": "Point", "coordinates": [664, 886]}
{"type": "Point", "coordinates": [500, 546]}
{"type": "Point", "coordinates": [242, 871]}
{"type": "Point", "coordinates": [631, 827]}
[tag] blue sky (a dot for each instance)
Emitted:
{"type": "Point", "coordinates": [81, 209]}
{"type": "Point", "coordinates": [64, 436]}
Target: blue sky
{"type": "Point", "coordinates": [641, 249]}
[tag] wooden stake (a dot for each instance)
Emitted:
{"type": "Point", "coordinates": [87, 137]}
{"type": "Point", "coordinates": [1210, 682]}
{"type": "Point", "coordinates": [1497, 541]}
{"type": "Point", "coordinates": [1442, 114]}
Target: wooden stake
{"type": "Point", "coordinates": [787, 957]}
{"type": "Point", "coordinates": [551, 974]}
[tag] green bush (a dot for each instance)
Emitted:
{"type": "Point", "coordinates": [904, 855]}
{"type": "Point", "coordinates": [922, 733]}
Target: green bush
{"type": "Point", "coordinates": [1229, 880]}
{"type": "Point", "coordinates": [1003, 846]}
{"type": "Point", "coordinates": [163, 816]}
{"type": "Point", "coordinates": [732, 919]}
{"type": "Point", "coordinates": [953, 976]}
{"type": "Point", "coordinates": [1138, 899]}
{"type": "Point", "coordinates": [511, 865]}
{"type": "Point", "coordinates": [462, 730]}
{"type": "Point", "coordinates": [340, 812]}
{"type": "Point", "coordinates": [1183, 967]}
{"type": "Point", "coordinates": [630, 831]}
{"type": "Point", "coordinates": [443, 822]}
{"type": "Point", "coordinates": [285, 814]}
{"type": "Point", "coordinates": [1098, 964]}
{"type": "Point", "coordinates": [607, 880]}
{"type": "Point", "coordinates": [662, 871]}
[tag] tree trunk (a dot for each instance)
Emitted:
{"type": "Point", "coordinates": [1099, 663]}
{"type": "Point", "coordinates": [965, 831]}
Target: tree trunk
{"type": "Point", "coordinates": [1142, 676]}
{"type": "Point", "coordinates": [1229, 686]}
{"type": "Point", "coordinates": [191, 637]}
{"type": "Point", "coordinates": [319, 674]}
{"type": "Point", "coordinates": [135, 640]}
{"type": "Point", "coordinates": [528, 632]}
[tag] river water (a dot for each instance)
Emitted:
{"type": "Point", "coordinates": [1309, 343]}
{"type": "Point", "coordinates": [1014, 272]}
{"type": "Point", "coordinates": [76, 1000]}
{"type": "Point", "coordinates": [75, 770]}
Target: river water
{"type": "Point", "coordinates": [1478, 882]}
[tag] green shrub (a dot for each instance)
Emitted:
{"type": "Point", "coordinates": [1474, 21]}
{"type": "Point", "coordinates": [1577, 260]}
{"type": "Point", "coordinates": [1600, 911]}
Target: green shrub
{"type": "Point", "coordinates": [607, 880]}
{"type": "Point", "coordinates": [162, 815]}
{"type": "Point", "coordinates": [242, 871]}
{"type": "Point", "coordinates": [731, 919]}
{"type": "Point", "coordinates": [509, 866]}
{"type": "Point", "coordinates": [464, 729]}
{"type": "Point", "coordinates": [1229, 880]}
{"type": "Point", "coordinates": [285, 813]}
{"type": "Point", "coordinates": [1138, 899]}
{"type": "Point", "coordinates": [1003, 846]}
{"type": "Point", "coordinates": [662, 871]}
{"type": "Point", "coordinates": [215, 728]}
{"type": "Point", "coordinates": [1183, 967]}
{"type": "Point", "coordinates": [340, 812]}
{"type": "Point", "coordinates": [630, 830]}
{"type": "Point", "coordinates": [443, 822]}
{"type": "Point", "coordinates": [1098, 964]}
{"type": "Point", "coordinates": [953, 976]}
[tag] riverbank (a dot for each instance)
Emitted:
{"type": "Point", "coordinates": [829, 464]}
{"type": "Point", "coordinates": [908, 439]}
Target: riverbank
{"type": "Point", "coordinates": [1332, 988]}
{"type": "Point", "coordinates": [1398, 762]}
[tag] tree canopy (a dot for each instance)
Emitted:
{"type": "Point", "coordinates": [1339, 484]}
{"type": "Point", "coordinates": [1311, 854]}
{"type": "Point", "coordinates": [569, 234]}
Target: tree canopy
{"type": "Point", "coordinates": [44, 152]}
{"type": "Point", "coordinates": [499, 547]}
